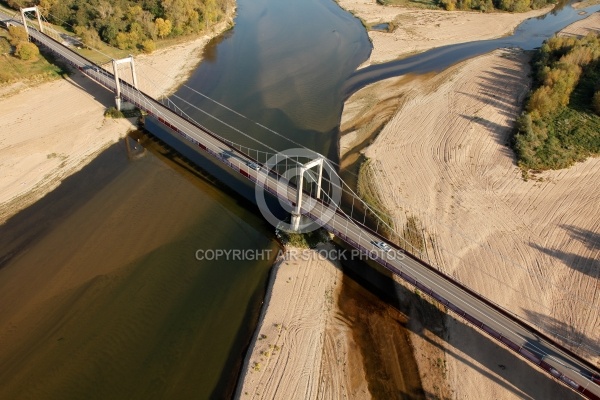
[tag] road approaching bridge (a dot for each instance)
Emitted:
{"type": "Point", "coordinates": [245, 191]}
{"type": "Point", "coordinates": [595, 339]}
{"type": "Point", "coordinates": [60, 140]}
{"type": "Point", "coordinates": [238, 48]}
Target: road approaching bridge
{"type": "Point", "coordinates": [535, 347]}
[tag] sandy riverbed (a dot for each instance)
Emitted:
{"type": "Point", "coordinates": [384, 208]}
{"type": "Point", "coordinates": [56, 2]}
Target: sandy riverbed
{"type": "Point", "coordinates": [50, 131]}
{"type": "Point", "coordinates": [531, 246]}
{"type": "Point", "coordinates": [322, 335]}
{"type": "Point", "coordinates": [301, 348]}
{"type": "Point", "coordinates": [419, 30]}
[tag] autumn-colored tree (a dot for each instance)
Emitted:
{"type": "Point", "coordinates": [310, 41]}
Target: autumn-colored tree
{"type": "Point", "coordinates": [17, 35]}
{"type": "Point", "coordinates": [16, 4]}
{"type": "Point", "coordinates": [127, 24]}
{"type": "Point", "coordinates": [123, 41]}
{"type": "Point", "coordinates": [163, 27]}
{"type": "Point", "coordinates": [553, 133]}
{"type": "Point", "coordinates": [148, 46]}
{"type": "Point", "coordinates": [27, 51]}
{"type": "Point", "coordinates": [88, 36]}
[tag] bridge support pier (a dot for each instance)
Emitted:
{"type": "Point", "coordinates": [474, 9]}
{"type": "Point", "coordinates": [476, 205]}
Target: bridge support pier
{"type": "Point", "coordinates": [295, 222]}
{"type": "Point", "coordinates": [297, 214]}
{"type": "Point", "coordinates": [128, 60]}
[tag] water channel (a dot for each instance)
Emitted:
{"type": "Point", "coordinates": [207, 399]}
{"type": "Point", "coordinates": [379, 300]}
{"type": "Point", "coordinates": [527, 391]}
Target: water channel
{"type": "Point", "coordinates": [99, 279]}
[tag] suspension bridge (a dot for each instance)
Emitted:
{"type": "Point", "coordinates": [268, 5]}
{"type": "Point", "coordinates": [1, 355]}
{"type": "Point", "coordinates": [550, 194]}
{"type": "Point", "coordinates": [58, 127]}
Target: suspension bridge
{"type": "Point", "coordinates": [267, 170]}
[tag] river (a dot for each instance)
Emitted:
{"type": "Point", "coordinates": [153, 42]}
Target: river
{"type": "Point", "coordinates": [101, 292]}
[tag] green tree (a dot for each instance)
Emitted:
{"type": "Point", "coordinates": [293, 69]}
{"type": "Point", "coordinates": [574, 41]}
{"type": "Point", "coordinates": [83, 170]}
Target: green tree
{"type": "Point", "coordinates": [46, 5]}
{"type": "Point", "coordinates": [27, 51]}
{"type": "Point", "coordinates": [60, 13]}
{"type": "Point", "coordinates": [109, 32]}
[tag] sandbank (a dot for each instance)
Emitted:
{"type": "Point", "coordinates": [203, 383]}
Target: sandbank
{"type": "Point", "coordinates": [419, 30]}
{"type": "Point", "coordinates": [301, 348]}
{"type": "Point", "coordinates": [51, 130]}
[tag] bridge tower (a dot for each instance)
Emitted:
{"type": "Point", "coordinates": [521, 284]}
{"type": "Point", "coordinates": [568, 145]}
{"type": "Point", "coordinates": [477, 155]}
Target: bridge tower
{"type": "Point", "coordinates": [296, 214]}
{"type": "Point", "coordinates": [37, 14]}
{"type": "Point", "coordinates": [128, 60]}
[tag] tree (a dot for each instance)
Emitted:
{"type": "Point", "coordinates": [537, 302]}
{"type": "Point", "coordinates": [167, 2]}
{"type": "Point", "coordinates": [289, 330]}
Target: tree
{"type": "Point", "coordinates": [16, 4]}
{"type": "Point", "coordinates": [109, 32]}
{"type": "Point", "coordinates": [17, 35]}
{"type": "Point", "coordinates": [163, 27]}
{"type": "Point", "coordinates": [89, 37]}
{"type": "Point", "coordinates": [46, 5]}
{"type": "Point", "coordinates": [122, 41]}
{"type": "Point", "coordinates": [210, 11]}
{"type": "Point", "coordinates": [128, 23]}
{"type": "Point", "coordinates": [60, 13]}
{"type": "Point", "coordinates": [27, 51]}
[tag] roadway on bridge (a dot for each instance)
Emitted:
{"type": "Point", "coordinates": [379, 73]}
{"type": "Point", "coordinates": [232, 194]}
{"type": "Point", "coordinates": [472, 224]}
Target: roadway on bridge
{"type": "Point", "coordinates": [525, 338]}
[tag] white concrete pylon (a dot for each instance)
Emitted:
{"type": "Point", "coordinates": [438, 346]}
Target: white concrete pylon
{"type": "Point", "coordinates": [296, 214]}
{"type": "Point", "coordinates": [128, 60]}
{"type": "Point", "coordinates": [37, 14]}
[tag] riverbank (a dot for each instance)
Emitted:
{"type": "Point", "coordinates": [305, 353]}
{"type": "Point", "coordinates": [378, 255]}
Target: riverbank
{"type": "Point", "coordinates": [75, 131]}
{"type": "Point", "coordinates": [442, 156]}
{"type": "Point", "coordinates": [419, 30]}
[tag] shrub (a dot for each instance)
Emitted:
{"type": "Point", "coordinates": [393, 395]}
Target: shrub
{"type": "Point", "coordinates": [148, 46]}
{"type": "Point", "coordinates": [112, 112]}
{"type": "Point", "coordinates": [27, 51]}
{"type": "Point", "coordinates": [17, 35]}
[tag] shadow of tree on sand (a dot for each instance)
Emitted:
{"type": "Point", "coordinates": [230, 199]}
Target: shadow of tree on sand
{"type": "Point", "coordinates": [588, 263]}
{"type": "Point", "coordinates": [574, 340]}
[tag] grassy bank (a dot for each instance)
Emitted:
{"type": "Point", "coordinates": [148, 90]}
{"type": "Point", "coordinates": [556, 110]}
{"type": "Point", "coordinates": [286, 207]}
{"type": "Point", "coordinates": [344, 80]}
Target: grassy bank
{"type": "Point", "coordinates": [13, 69]}
{"type": "Point", "coordinates": [411, 235]}
{"type": "Point", "coordinates": [368, 193]}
